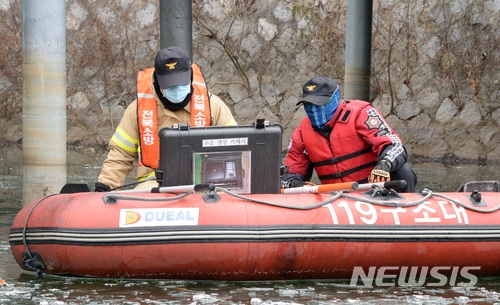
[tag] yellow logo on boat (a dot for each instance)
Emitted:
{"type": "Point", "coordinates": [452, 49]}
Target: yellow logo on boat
{"type": "Point", "coordinates": [132, 217]}
{"type": "Point", "coordinates": [155, 217]}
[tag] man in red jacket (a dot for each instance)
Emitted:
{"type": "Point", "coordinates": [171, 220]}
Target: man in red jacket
{"type": "Point", "coordinates": [344, 141]}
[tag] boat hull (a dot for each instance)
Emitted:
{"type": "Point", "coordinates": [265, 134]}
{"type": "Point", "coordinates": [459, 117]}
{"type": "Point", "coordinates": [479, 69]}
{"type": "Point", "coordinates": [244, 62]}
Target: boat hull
{"type": "Point", "coordinates": [162, 236]}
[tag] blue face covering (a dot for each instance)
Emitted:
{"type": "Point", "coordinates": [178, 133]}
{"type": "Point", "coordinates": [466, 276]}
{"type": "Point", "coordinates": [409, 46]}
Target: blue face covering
{"type": "Point", "coordinates": [177, 94]}
{"type": "Point", "coordinates": [320, 115]}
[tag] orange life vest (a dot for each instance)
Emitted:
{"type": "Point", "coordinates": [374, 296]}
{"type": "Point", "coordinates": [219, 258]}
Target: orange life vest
{"type": "Point", "coordinates": [147, 113]}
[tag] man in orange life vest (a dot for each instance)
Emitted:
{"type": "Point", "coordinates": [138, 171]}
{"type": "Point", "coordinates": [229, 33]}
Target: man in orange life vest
{"type": "Point", "coordinates": [344, 141]}
{"type": "Point", "coordinates": [174, 91]}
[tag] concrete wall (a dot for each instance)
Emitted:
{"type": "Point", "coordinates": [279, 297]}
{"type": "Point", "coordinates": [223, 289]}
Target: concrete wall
{"type": "Point", "coordinates": [434, 65]}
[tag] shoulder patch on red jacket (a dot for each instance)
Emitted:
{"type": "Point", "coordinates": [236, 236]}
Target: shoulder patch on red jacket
{"type": "Point", "coordinates": [373, 121]}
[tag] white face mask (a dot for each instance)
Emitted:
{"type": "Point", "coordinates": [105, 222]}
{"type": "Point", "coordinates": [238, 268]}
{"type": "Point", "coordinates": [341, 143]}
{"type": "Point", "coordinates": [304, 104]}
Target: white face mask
{"type": "Point", "coordinates": [177, 94]}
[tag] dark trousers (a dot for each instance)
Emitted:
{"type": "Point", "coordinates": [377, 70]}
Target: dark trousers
{"type": "Point", "coordinates": [406, 173]}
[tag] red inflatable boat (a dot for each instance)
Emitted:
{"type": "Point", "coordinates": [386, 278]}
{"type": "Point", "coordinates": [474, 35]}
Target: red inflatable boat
{"type": "Point", "coordinates": [219, 235]}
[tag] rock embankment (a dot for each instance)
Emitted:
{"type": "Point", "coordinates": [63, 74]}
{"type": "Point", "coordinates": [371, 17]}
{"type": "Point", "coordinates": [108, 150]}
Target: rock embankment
{"type": "Point", "coordinates": [434, 65]}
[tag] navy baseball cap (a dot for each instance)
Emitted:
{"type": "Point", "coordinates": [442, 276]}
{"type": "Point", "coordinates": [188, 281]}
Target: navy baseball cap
{"type": "Point", "coordinates": [173, 67]}
{"type": "Point", "coordinates": [318, 90]}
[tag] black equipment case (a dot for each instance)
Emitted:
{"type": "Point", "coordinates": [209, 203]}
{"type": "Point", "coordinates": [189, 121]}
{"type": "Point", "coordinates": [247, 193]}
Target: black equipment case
{"type": "Point", "coordinates": [244, 159]}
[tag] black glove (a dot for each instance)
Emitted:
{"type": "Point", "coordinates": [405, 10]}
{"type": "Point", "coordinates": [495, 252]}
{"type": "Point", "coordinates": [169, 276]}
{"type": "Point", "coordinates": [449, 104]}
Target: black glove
{"type": "Point", "coordinates": [292, 183]}
{"type": "Point", "coordinates": [296, 183]}
{"type": "Point", "coordinates": [101, 187]}
{"type": "Point", "coordinates": [381, 172]}
{"type": "Point", "coordinates": [291, 180]}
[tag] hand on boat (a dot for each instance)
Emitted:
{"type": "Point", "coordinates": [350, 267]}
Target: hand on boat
{"type": "Point", "coordinates": [380, 172]}
{"type": "Point", "coordinates": [101, 187]}
{"type": "Point", "coordinates": [292, 183]}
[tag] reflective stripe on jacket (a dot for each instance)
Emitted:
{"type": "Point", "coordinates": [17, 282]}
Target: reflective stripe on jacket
{"type": "Point", "coordinates": [124, 141]}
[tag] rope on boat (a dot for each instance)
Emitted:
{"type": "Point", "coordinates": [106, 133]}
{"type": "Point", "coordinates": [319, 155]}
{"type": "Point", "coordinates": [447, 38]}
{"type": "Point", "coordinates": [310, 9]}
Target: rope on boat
{"type": "Point", "coordinates": [32, 260]}
{"type": "Point", "coordinates": [336, 196]}
{"type": "Point", "coordinates": [427, 194]}
{"type": "Point", "coordinates": [110, 197]}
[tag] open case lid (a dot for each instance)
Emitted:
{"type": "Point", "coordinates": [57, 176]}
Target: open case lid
{"type": "Point", "coordinates": [244, 158]}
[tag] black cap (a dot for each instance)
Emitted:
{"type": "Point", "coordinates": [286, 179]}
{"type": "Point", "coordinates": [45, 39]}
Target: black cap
{"type": "Point", "coordinates": [172, 67]}
{"type": "Point", "coordinates": [318, 90]}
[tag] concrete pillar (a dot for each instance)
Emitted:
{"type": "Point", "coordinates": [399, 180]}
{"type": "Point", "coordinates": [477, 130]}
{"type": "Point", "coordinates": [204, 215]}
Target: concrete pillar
{"type": "Point", "coordinates": [176, 24]}
{"type": "Point", "coordinates": [44, 97]}
{"type": "Point", "coordinates": [358, 50]}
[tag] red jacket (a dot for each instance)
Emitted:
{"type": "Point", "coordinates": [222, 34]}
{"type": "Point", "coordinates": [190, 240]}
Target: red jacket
{"type": "Point", "coordinates": [359, 135]}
